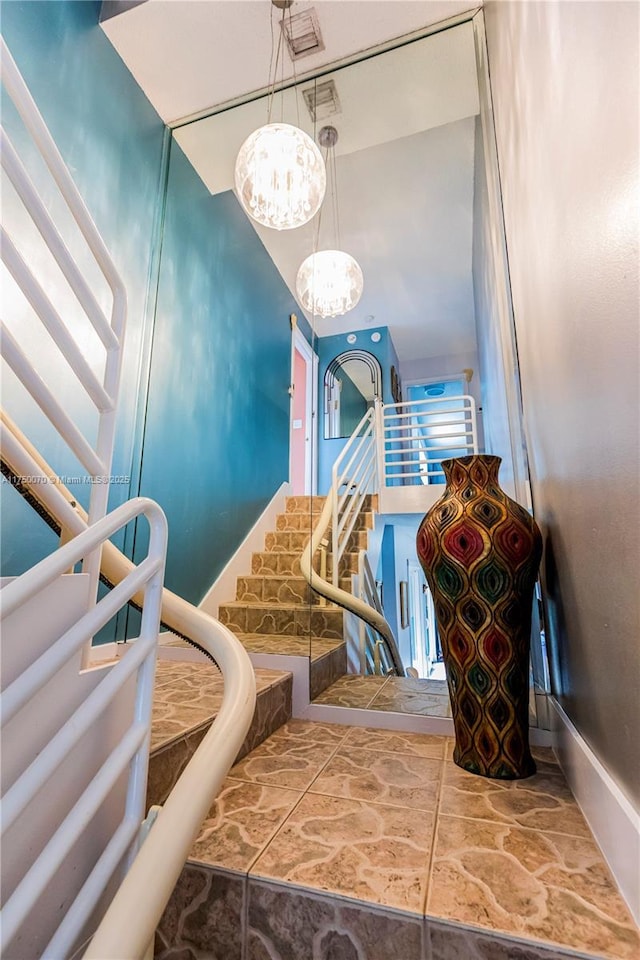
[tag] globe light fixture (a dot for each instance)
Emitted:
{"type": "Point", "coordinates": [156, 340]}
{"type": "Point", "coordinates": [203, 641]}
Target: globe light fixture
{"type": "Point", "coordinates": [280, 176]}
{"type": "Point", "coordinates": [329, 283]}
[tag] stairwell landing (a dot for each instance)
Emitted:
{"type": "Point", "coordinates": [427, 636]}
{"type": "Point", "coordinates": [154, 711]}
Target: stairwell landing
{"type": "Point", "coordinates": [334, 842]}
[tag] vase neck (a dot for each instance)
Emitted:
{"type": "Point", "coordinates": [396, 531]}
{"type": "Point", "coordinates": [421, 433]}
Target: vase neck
{"type": "Point", "coordinates": [479, 470]}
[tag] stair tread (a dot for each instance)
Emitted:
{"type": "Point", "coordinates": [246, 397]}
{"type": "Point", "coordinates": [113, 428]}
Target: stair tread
{"type": "Point", "coordinates": [188, 693]}
{"type": "Point", "coordinates": [289, 645]}
{"type": "Point", "coordinates": [310, 759]}
{"type": "Point", "coordinates": [277, 605]}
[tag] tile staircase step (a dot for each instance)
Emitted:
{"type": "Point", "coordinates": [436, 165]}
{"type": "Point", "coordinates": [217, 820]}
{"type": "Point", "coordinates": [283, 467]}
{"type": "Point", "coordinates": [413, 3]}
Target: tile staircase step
{"type": "Point", "coordinates": [186, 700]}
{"type": "Point", "coordinates": [329, 841]}
{"type": "Point", "coordinates": [288, 563]}
{"type": "Point", "coordinates": [288, 645]}
{"type": "Point", "coordinates": [277, 618]}
{"type": "Point", "coordinates": [327, 658]}
{"type": "Point", "coordinates": [266, 588]}
{"type": "Point", "coordinates": [304, 505]}
{"type": "Point", "coordinates": [407, 695]}
{"type": "Point", "coordinates": [289, 541]}
{"type": "Point", "coordinates": [306, 523]}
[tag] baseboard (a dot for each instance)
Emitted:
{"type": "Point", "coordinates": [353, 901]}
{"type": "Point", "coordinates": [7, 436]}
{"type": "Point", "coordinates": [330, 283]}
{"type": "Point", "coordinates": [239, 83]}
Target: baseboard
{"type": "Point", "coordinates": [611, 816]}
{"type": "Point", "coordinates": [224, 588]}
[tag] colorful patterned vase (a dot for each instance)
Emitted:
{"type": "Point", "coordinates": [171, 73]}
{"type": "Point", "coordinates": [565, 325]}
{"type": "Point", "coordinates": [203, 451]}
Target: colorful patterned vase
{"type": "Point", "coordinates": [480, 553]}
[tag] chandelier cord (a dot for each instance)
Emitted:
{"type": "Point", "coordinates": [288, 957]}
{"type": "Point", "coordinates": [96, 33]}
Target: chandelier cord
{"type": "Point", "coordinates": [272, 83]}
{"type": "Point", "coordinates": [334, 196]}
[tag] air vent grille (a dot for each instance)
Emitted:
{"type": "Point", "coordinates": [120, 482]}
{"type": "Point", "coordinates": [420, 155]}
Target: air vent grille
{"type": "Point", "coordinates": [322, 100]}
{"type": "Point", "coordinates": [302, 33]}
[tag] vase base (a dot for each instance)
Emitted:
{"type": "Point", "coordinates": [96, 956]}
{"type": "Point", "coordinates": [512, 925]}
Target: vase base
{"type": "Point", "coordinates": [498, 769]}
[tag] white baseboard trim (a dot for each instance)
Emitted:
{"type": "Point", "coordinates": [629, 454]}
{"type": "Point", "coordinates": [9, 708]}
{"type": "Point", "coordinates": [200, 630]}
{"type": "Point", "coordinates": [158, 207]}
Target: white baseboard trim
{"type": "Point", "coordinates": [611, 816]}
{"type": "Point", "coordinates": [378, 719]}
{"type": "Point", "coordinates": [224, 588]}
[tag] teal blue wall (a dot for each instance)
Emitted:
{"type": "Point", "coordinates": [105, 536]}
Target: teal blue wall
{"type": "Point", "coordinates": [204, 417]}
{"type": "Point", "coordinates": [328, 348]}
{"type": "Point", "coordinates": [111, 138]}
{"type": "Point", "coordinates": [216, 444]}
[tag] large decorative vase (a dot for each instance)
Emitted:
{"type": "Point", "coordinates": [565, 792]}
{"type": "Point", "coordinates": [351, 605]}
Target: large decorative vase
{"type": "Point", "coordinates": [480, 552]}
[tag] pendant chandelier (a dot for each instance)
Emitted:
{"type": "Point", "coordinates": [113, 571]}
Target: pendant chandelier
{"type": "Point", "coordinates": [280, 176]}
{"type": "Point", "coordinates": [330, 282]}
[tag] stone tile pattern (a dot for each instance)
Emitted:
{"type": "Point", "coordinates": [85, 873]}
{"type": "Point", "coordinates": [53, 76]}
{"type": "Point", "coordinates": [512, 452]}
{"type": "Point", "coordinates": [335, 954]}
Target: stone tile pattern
{"type": "Point", "coordinates": [389, 694]}
{"type": "Point", "coordinates": [186, 699]}
{"type": "Point", "coordinates": [362, 844]}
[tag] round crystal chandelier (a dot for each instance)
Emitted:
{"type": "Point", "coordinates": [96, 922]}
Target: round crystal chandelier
{"type": "Point", "coordinates": [329, 283]}
{"type": "Point", "coordinates": [280, 176]}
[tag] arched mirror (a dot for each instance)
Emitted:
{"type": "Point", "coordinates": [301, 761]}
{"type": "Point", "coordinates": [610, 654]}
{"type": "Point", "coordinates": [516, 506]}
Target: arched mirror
{"type": "Point", "coordinates": [352, 383]}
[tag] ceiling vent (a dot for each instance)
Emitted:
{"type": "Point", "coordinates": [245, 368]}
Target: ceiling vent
{"type": "Point", "coordinates": [302, 33]}
{"type": "Point", "coordinates": [322, 100]}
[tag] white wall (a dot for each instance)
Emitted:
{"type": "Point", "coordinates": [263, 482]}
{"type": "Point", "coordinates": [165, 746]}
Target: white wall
{"type": "Point", "coordinates": [486, 293]}
{"type": "Point", "coordinates": [451, 365]}
{"type": "Point", "coordinates": [564, 77]}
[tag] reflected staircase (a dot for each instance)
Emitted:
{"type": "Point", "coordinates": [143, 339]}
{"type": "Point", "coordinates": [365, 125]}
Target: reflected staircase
{"type": "Point", "coordinates": [275, 610]}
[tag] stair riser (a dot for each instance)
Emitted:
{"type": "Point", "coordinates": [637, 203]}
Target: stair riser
{"type": "Point", "coordinates": [288, 564]}
{"type": "Point", "coordinates": [273, 708]}
{"type": "Point", "coordinates": [326, 670]}
{"type": "Point", "coordinates": [302, 504]}
{"type": "Point", "coordinates": [285, 541]}
{"type": "Point", "coordinates": [299, 622]}
{"type": "Point", "coordinates": [305, 524]}
{"type": "Point", "coordinates": [279, 590]}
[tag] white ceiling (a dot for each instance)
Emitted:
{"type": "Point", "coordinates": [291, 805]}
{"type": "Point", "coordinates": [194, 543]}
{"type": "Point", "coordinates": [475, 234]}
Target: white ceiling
{"type": "Point", "coordinates": [191, 55]}
{"type": "Point", "coordinates": [405, 152]}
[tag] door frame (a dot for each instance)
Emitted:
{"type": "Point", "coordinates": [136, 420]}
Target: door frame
{"type": "Point", "coordinates": [301, 344]}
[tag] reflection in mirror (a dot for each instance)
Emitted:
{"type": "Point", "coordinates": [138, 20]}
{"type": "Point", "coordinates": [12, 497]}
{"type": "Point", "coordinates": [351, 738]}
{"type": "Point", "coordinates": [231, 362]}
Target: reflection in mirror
{"type": "Point", "coordinates": [418, 213]}
{"type": "Point", "coordinates": [352, 383]}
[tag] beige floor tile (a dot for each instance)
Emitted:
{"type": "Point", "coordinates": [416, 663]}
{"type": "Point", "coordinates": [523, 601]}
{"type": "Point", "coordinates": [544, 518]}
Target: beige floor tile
{"type": "Point", "coordinates": [351, 691]}
{"type": "Point", "coordinates": [415, 703]}
{"type": "Point", "coordinates": [370, 852]}
{"type": "Point", "coordinates": [311, 731]}
{"type": "Point", "coordinates": [281, 762]}
{"type": "Point", "coordinates": [542, 802]}
{"type": "Point", "coordinates": [172, 720]}
{"type": "Point", "coordinates": [240, 824]}
{"type": "Point", "coordinates": [397, 741]}
{"type": "Point", "coordinates": [547, 886]}
{"type": "Point", "coordinates": [407, 781]}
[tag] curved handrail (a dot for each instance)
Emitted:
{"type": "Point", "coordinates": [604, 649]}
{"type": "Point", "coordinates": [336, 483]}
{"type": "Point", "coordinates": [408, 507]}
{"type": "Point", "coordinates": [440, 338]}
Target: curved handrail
{"type": "Point", "coordinates": [127, 928]}
{"type": "Point", "coordinates": [129, 924]}
{"type": "Point", "coordinates": [339, 596]}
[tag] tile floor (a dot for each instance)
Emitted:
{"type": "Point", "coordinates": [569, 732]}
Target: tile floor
{"type": "Point", "coordinates": [386, 820]}
{"type": "Point", "coordinates": [396, 694]}
{"type": "Point", "coordinates": [188, 694]}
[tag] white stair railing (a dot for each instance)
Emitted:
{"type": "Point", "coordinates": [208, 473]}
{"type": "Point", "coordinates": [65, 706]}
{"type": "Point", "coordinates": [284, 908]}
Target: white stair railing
{"type": "Point", "coordinates": [129, 756]}
{"type": "Point", "coordinates": [353, 476]}
{"type": "Point", "coordinates": [374, 654]}
{"type": "Point", "coordinates": [131, 919]}
{"type": "Point", "coordinates": [395, 449]}
{"type": "Point", "coordinates": [419, 434]}
{"type": "Point", "coordinates": [128, 926]}
{"type": "Point", "coordinates": [96, 457]}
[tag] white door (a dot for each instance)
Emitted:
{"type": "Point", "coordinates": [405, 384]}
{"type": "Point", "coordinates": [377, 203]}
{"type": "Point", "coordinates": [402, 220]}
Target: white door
{"type": "Point", "coordinates": [420, 652]}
